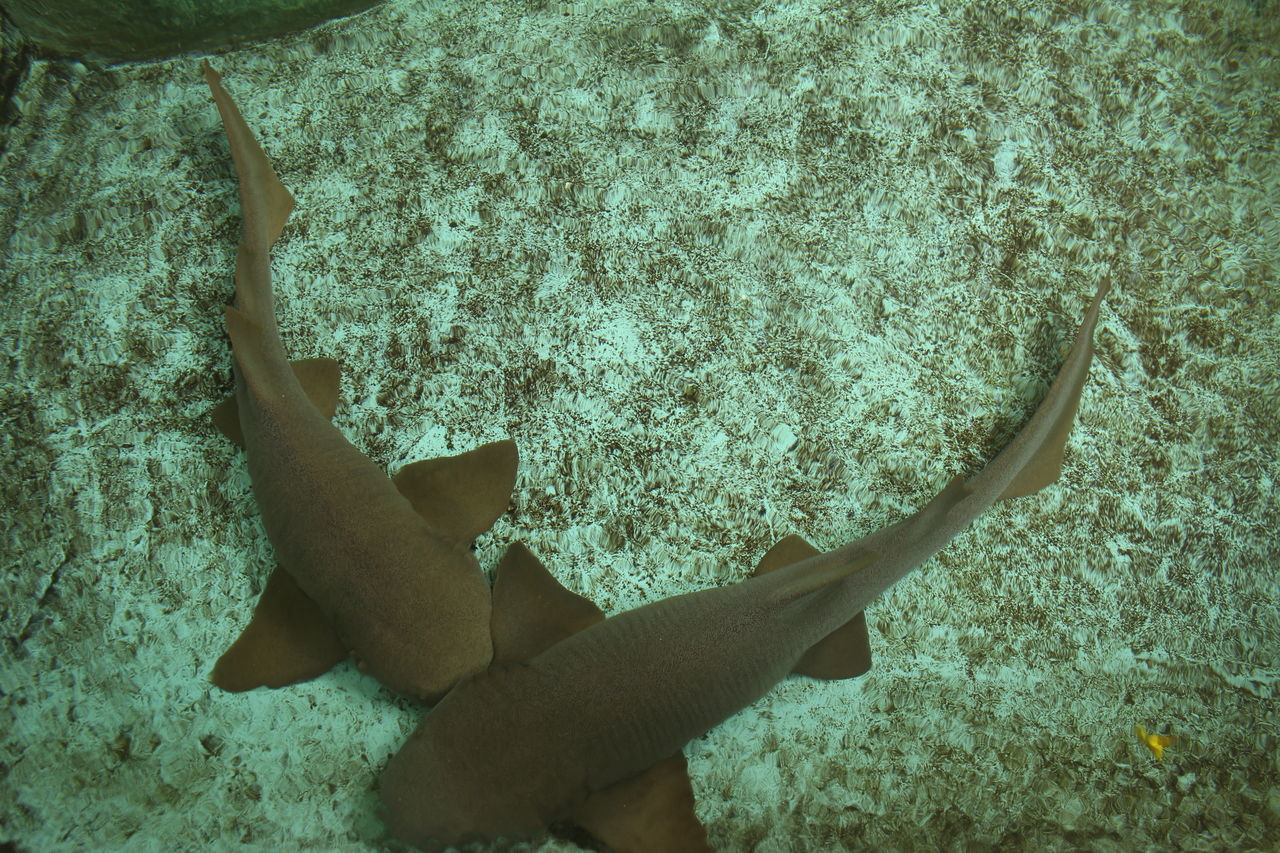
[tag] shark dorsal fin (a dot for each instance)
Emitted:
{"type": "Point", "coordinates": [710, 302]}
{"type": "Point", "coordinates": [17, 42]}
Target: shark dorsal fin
{"type": "Point", "coordinates": [461, 496]}
{"type": "Point", "coordinates": [846, 651]}
{"type": "Point", "coordinates": [531, 610]}
{"type": "Point", "coordinates": [318, 377]}
{"type": "Point", "coordinates": [650, 811]}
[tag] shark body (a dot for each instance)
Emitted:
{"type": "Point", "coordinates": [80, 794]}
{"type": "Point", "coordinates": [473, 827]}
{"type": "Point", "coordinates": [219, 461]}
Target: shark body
{"type": "Point", "coordinates": [371, 567]}
{"type": "Point", "coordinates": [583, 719]}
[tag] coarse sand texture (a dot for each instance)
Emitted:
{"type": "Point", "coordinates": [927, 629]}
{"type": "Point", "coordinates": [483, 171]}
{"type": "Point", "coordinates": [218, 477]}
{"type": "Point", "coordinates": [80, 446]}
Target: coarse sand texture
{"type": "Point", "coordinates": [724, 272]}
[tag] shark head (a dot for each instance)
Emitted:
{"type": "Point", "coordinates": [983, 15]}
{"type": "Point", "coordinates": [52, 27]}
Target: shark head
{"type": "Point", "coordinates": [466, 775]}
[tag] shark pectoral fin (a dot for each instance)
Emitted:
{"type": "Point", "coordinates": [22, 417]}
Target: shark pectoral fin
{"type": "Point", "coordinates": [461, 496]}
{"type": "Point", "coordinates": [531, 610]}
{"type": "Point", "coordinates": [846, 651]}
{"type": "Point", "coordinates": [319, 378]}
{"type": "Point", "coordinates": [287, 641]}
{"type": "Point", "coordinates": [651, 811]}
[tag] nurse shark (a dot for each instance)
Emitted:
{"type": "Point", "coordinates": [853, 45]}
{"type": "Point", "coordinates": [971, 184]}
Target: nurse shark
{"type": "Point", "coordinates": [582, 719]}
{"type": "Point", "coordinates": [379, 569]}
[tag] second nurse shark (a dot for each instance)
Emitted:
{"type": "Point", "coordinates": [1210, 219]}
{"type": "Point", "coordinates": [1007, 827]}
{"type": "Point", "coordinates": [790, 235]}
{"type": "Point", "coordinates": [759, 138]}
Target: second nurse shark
{"type": "Point", "coordinates": [575, 718]}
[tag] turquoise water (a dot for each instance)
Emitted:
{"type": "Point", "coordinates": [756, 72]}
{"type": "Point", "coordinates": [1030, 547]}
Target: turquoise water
{"type": "Point", "coordinates": [724, 274]}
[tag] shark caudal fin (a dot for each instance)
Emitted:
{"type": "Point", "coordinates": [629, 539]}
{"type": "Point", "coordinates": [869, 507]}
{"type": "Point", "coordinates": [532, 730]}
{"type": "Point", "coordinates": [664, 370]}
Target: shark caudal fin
{"type": "Point", "coordinates": [265, 203]}
{"type": "Point", "coordinates": [1044, 438]}
{"type": "Point", "coordinates": [265, 206]}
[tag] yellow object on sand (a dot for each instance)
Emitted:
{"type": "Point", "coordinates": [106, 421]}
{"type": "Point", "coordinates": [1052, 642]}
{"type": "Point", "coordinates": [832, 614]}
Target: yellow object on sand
{"type": "Point", "coordinates": [1156, 743]}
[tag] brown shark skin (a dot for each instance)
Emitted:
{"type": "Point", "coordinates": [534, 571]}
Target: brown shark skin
{"type": "Point", "coordinates": [410, 604]}
{"type": "Point", "coordinates": [523, 745]}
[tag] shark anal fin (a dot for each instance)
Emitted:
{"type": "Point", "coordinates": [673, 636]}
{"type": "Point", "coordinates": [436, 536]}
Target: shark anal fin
{"type": "Point", "coordinates": [531, 610]}
{"type": "Point", "coordinates": [648, 812]}
{"type": "Point", "coordinates": [319, 378]}
{"type": "Point", "coordinates": [846, 651]}
{"type": "Point", "coordinates": [287, 641]}
{"type": "Point", "coordinates": [940, 505]}
{"type": "Point", "coordinates": [461, 496]}
{"type": "Point", "coordinates": [798, 569]}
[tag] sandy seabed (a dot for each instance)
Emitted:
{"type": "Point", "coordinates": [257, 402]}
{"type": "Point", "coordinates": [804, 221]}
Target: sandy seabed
{"type": "Point", "coordinates": [724, 272]}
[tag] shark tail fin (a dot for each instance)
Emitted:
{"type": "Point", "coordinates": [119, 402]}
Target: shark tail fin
{"type": "Point", "coordinates": [1051, 425]}
{"type": "Point", "coordinates": [846, 651]}
{"type": "Point", "coordinates": [265, 205]}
